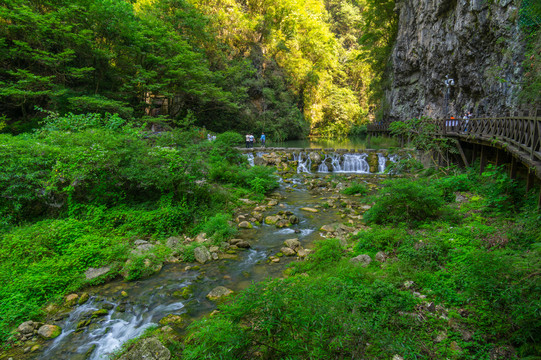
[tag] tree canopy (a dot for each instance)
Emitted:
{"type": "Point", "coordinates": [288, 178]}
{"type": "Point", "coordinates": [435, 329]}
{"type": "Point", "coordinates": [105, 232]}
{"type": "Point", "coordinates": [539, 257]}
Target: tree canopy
{"type": "Point", "coordinates": [284, 67]}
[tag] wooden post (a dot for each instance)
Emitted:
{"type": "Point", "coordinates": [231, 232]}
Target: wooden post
{"type": "Point", "coordinates": [461, 151]}
{"type": "Point", "coordinates": [473, 153]}
{"type": "Point", "coordinates": [530, 180]}
{"type": "Point", "coordinates": [483, 161]}
{"type": "Point", "coordinates": [513, 169]}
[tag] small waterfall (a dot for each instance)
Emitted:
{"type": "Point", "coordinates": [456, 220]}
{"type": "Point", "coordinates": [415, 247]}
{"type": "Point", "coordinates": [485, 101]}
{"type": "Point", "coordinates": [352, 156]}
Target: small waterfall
{"type": "Point", "coordinates": [323, 168]}
{"type": "Point", "coordinates": [250, 157]}
{"type": "Point", "coordinates": [356, 163]}
{"type": "Point", "coordinates": [335, 162]}
{"type": "Point", "coordinates": [303, 165]}
{"type": "Point", "coordinates": [393, 158]}
{"type": "Point", "coordinates": [381, 163]}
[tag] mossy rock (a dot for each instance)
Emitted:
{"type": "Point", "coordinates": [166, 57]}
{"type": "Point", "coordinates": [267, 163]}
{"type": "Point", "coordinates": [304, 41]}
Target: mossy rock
{"type": "Point", "coordinates": [101, 312]}
{"type": "Point", "coordinates": [184, 293]}
{"type": "Point", "coordinates": [84, 298]}
{"type": "Point", "coordinates": [179, 321]}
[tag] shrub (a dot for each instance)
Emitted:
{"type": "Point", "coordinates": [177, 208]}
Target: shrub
{"type": "Point", "coordinates": [327, 253]}
{"type": "Point", "coordinates": [218, 228]}
{"type": "Point", "coordinates": [407, 201]}
{"type": "Point", "coordinates": [356, 188]}
{"type": "Point", "coordinates": [380, 239]}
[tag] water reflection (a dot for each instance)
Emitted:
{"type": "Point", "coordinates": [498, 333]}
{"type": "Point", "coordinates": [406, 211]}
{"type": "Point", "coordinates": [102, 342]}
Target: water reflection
{"type": "Point", "coordinates": [347, 143]}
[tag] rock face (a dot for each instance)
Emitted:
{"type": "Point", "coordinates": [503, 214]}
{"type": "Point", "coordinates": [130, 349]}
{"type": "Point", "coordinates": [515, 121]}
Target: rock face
{"type": "Point", "coordinates": [149, 349]}
{"type": "Point", "coordinates": [477, 43]}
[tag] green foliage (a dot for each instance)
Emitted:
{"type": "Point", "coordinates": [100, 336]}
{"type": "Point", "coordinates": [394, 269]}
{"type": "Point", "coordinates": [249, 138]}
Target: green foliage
{"type": "Point", "coordinates": [421, 134]}
{"type": "Point", "coordinates": [279, 319]}
{"type": "Point", "coordinates": [406, 201]}
{"type": "Point", "coordinates": [356, 188]}
{"type": "Point", "coordinates": [328, 252]}
{"type": "Point", "coordinates": [380, 238]}
{"type": "Point", "coordinates": [218, 228]}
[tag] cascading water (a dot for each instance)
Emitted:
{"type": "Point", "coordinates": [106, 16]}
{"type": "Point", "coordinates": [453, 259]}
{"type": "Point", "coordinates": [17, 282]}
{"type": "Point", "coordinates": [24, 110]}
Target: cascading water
{"type": "Point", "coordinates": [355, 163]}
{"type": "Point", "coordinates": [382, 160]}
{"type": "Point", "coordinates": [303, 164]}
{"type": "Point", "coordinates": [250, 157]}
{"type": "Point", "coordinates": [323, 168]}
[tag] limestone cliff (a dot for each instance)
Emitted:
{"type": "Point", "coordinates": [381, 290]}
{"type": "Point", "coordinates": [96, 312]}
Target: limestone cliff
{"type": "Point", "coordinates": [477, 43]}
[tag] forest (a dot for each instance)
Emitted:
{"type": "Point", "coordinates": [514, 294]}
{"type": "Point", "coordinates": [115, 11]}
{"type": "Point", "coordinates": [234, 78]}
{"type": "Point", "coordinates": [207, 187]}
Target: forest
{"type": "Point", "coordinates": [284, 67]}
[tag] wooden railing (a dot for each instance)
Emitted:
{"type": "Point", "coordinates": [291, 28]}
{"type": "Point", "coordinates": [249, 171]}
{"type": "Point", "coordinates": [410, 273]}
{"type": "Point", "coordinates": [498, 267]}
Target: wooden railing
{"type": "Point", "coordinates": [522, 133]}
{"type": "Point", "coordinates": [519, 135]}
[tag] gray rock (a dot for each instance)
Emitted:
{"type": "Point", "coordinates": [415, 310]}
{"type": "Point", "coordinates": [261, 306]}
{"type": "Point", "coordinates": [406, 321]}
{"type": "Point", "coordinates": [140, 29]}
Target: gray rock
{"type": "Point", "coordinates": [243, 244]}
{"type": "Point", "coordinates": [302, 253]}
{"type": "Point", "coordinates": [93, 273]}
{"type": "Point", "coordinates": [380, 256]}
{"type": "Point", "coordinates": [245, 225]}
{"type": "Point", "coordinates": [292, 243]}
{"type": "Point", "coordinates": [287, 251]}
{"type": "Point", "coordinates": [147, 349]}
{"type": "Point", "coordinates": [49, 331]}
{"type": "Point", "coordinates": [364, 260]}
{"type": "Point", "coordinates": [27, 327]}
{"type": "Point", "coordinates": [173, 242]}
{"type": "Point", "coordinates": [218, 293]}
{"type": "Point", "coordinates": [201, 254]}
{"type": "Point", "coordinates": [201, 238]}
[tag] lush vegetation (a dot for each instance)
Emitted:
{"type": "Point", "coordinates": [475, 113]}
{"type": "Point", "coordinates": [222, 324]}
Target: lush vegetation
{"type": "Point", "coordinates": [283, 67]}
{"type": "Point", "coordinates": [460, 280]}
{"type": "Point", "coordinates": [78, 197]}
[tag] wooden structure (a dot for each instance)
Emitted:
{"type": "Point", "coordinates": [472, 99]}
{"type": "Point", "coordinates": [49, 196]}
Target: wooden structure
{"type": "Point", "coordinates": [512, 139]}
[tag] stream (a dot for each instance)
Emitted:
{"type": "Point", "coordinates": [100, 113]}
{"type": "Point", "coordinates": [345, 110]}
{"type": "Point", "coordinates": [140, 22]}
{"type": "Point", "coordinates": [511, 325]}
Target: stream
{"type": "Point", "coordinates": [153, 298]}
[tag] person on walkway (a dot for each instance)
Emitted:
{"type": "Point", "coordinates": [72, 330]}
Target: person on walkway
{"type": "Point", "coordinates": [247, 141]}
{"type": "Point", "coordinates": [263, 139]}
{"type": "Point", "coordinates": [252, 138]}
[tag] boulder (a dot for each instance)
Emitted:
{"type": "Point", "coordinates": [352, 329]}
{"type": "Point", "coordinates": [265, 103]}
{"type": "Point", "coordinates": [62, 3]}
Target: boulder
{"type": "Point", "coordinates": [245, 225]}
{"type": "Point", "coordinates": [328, 228]}
{"type": "Point", "coordinates": [148, 349]}
{"type": "Point", "coordinates": [302, 253]}
{"type": "Point", "coordinates": [309, 209]}
{"type": "Point", "coordinates": [292, 243]}
{"type": "Point", "coordinates": [271, 220]}
{"type": "Point", "coordinates": [234, 241]}
{"type": "Point", "coordinates": [49, 331]}
{"type": "Point", "coordinates": [93, 273]}
{"type": "Point", "coordinates": [364, 260]}
{"type": "Point", "coordinates": [219, 293]}
{"type": "Point", "coordinates": [287, 251]}
{"type": "Point", "coordinates": [173, 242]}
{"type": "Point", "coordinates": [179, 321]}
{"type": "Point", "coordinates": [201, 238]}
{"type": "Point", "coordinates": [272, 203]}
{"type": "Point", "coordinates": [84, 298]}
{"type": "Point", "coordinates": [201, 254]}
{"type": "Point", "coordinates": [27, 327]}
{"type": "Point", "coordinates": [282, 223]}
{"type": "Point", "coordinates": [380, 256]}
{"type": "Point", "coordinates": [293, 219]}
{"type": "Point", "coordinates": [243, 244]}
{"type": "Point", "coordinates": [71, 300]}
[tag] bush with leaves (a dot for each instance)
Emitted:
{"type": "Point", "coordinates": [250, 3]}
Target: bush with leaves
{"type": "Point", "coordinates": [406, 201]}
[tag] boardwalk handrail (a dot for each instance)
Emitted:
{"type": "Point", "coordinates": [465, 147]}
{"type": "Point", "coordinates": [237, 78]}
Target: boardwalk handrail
{"type": "Point", "coordinates": [523, 133]}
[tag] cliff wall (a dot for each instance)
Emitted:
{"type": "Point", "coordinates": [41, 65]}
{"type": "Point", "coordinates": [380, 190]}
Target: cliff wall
{"type": "Point", "coordinates": [477, 43]}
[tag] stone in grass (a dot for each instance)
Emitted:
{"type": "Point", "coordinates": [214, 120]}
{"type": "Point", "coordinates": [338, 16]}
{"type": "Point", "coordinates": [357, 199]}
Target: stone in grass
{"type": "Point", "coordinates": [93, 273]}
{"type": "Point", "coordinates": [149, 348]}
{"type": "Point", "coordinates": [219, 293]}
{"type": "Point", "coordinates": [71, 300]}
{"type": "Point", "coordinates": [49, 331]}
{"type": "Point", "coordinates": [364, 260]}
{"type": "Point", "coordinates": [201, 254]}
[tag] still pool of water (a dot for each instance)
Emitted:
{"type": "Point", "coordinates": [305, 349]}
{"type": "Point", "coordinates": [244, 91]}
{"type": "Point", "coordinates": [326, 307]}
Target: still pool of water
{"type": "Point", "coordinates": [346, 143]}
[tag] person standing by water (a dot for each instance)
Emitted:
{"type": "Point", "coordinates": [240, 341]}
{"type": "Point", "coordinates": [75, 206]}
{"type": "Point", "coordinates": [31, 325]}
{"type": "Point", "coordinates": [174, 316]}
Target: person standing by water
{"type": "Point", "coordinates": [252, 138]}
{"type": "Point", "coordinates": [263, 139]}
{"type": "Point", "coordinates": [247, 141]}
